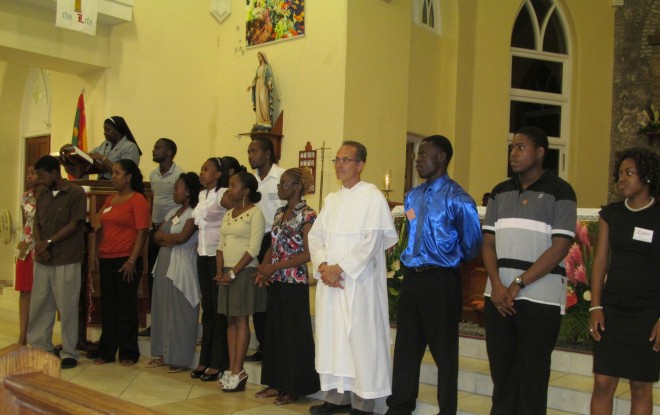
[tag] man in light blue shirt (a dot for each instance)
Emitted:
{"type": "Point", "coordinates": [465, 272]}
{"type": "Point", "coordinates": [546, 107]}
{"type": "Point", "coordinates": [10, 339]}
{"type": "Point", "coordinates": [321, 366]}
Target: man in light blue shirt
{"type": "Point", "coordinates": [443, 231]}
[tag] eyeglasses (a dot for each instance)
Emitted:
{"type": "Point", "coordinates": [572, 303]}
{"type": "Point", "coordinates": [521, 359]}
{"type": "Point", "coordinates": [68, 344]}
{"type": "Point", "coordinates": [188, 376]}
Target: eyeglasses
{"type": "Point", "coordinates": [344, 160]}
{"type": "Point", "coordinates": [285, 184]}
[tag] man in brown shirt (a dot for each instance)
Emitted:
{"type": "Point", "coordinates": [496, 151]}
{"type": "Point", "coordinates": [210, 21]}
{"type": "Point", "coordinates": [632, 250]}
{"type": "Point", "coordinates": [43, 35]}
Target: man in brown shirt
{"type": "Point", "coordinates": [58, 235]}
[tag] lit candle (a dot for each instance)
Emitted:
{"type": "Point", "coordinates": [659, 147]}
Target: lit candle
{"type": "Point", "coordinates": [387, 181]}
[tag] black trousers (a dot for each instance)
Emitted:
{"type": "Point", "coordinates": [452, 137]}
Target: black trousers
{"type": "Point", "coordinates": [259, 319]}
{"type": "Point", "coordinates": [153, 250]}
{"type": "Point", "coordinates": [214, 351]}
{"type": "Point", "coordinates": [519, 349]}
{"type": "Point", "coordinates": [429, 312]}
{"type": "Point", "coordinates": [119, 311]}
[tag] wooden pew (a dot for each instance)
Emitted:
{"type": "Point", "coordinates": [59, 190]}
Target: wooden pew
{"type": "Point", "coordinates": [30, 384]}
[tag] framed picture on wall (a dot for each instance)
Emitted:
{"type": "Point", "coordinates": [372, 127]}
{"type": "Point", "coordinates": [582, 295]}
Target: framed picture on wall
{"type": "Point", "coordinates": [274, 20]}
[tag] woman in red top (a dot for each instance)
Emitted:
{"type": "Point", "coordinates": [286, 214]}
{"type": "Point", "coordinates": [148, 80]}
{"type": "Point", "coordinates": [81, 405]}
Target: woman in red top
{"type": "Point", "coordinates": [125, 221]}
{"type": "Point", "coordinates": [24, 264]}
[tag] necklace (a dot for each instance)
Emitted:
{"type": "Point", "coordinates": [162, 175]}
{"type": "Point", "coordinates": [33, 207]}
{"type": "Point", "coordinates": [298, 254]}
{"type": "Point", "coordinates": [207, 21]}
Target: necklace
{"type": "Point", "coordinates": [648, 205]}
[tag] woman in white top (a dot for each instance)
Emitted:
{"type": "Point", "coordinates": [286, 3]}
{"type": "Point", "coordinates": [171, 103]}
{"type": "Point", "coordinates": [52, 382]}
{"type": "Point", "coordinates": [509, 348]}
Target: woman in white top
{"type": "Point", "coordinates": [208, 214]}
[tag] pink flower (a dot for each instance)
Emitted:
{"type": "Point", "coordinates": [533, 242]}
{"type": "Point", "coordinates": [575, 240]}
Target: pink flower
{"type": "Point", "coordinates": [580, 274]}
{"type": "Point", "coordinates": [582, 235]}
{"type": "Point", "coordinates": [575, 254]}
{"type": "Point", "coordinates": [570, 270]}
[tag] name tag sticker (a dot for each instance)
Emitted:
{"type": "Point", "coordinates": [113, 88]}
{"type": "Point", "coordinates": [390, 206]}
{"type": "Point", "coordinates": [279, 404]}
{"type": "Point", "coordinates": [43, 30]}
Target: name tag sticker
{"type": "Point", "coordinates": [273, 196]}
{"type": "Point", "coordinates": [29, 208]}
{"type": "Point", "coordinates": [410, 214]}
{"type": "Point", "coordinates": [108, 209]}
{"type": "Point", "coordinates": [644, 235]}
{"type": "Point", "coordinates": [175, 220]}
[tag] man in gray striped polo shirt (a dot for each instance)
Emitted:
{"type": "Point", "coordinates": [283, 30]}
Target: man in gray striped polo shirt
{"type": "Point", "coordinates": [528, 229]}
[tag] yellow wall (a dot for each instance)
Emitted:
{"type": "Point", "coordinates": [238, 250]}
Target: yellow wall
{"type": "Point", "coordinates": [363, 71]}
{"type": "Point", "coordinates": [12, 81]}
{"type": "Point", "coordinates": [376, 101]}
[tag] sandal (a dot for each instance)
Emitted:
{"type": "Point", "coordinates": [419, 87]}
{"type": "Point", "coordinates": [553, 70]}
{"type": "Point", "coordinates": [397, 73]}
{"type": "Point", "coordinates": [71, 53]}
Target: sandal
{"type": "Point", "coordinates": [155, 362]}
{"type": "Point", "coordinates": [100, 361]}
{"type": "Point", "coordinates": [176, 369]}
{"type": "Point", "coordinates": [285, 398]}
{"type": "Point", "coordinates": [267, 393]}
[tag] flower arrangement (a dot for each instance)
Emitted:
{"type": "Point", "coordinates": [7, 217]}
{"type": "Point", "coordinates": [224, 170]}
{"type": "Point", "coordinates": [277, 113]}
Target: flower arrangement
{"type": "Point", "coordinates": [575, 324]}
{"type": "Point", "coordinates": [650, 121]}
{"type": "Point", "coordinates": [394, 269]}
{"type": "Point", "coordinates": [270, 20]}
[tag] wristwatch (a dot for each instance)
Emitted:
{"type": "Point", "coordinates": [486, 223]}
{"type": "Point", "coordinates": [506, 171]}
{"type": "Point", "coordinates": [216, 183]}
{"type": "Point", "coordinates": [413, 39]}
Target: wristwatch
{"type": "Point", "coordinates": [519, 282]}
{"type": "Point", "coordinates": [232, 276]}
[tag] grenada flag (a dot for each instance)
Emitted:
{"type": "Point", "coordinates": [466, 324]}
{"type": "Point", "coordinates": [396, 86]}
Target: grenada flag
{"type": "Point", "coordinates": [79, 136]}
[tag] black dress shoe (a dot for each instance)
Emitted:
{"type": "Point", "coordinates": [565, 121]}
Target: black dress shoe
{"type": "Point", "coordinates": [205, 377]}
{"type": "Point", "coordinates": [358, 412]}
{"type": "Point", "coordinates": [145, 333]}
{"type": "Point", "coordinates": [330, 408]}
{"type": "Point", "coordinates": [256, 357]}
{"type": "Point", "coordinates": [196, 374]}
{"type": "Point", "coordinates": [68, 363]}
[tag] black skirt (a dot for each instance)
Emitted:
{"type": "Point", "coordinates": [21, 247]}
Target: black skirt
{"type": "Point", "coordinates": [288, 356]}
{"type": "Point", "coordinates": [624, 349]}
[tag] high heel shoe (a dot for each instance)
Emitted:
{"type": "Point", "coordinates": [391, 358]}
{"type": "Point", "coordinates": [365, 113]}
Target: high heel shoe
{"type": "Point", "coordinates": [196, 374]}
{"type": "Point", "coordinates": [224, 379]}
{"type": "Point", "coordinates": [236, 383]}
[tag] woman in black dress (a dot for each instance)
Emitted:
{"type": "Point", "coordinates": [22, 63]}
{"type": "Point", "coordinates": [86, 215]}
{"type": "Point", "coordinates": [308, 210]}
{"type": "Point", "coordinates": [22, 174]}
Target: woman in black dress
{"type": "Point", "coordinates": [625, 306]}
{"type": "Point", "coordinates": [288, 364]}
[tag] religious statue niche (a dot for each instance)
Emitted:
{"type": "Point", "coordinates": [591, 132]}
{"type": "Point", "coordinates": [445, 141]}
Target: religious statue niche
{"type": "Point", "coordinates": [262, 88]}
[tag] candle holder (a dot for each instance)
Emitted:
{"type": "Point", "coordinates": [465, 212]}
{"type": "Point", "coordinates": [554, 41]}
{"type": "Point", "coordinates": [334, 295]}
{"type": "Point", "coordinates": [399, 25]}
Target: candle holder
{"type": "Point", "coordinates": [387, 193]}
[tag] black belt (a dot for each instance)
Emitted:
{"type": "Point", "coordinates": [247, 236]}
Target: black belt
{"type": "Point", "coordinates": [424, 268]}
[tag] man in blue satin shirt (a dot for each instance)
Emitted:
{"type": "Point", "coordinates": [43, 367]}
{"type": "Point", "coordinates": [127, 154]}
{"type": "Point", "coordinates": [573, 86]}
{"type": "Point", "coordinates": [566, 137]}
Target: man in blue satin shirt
{"type": "Point", "coordinates": [443, 231]}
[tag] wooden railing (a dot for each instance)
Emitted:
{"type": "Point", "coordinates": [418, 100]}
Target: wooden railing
{"type": "Point", "coordinates": [30, 384]}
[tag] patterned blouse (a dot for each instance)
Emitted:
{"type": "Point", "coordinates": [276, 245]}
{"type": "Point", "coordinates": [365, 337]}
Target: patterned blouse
{"type": "Point", "coordinates": [28, 205]}
{"type": "Point", "coordinates": [288, 242]}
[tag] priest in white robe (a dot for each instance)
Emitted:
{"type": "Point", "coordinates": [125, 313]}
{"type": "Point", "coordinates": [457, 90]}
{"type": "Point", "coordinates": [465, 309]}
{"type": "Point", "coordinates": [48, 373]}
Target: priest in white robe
{"type": "Point", "coordinates": [347, 244]}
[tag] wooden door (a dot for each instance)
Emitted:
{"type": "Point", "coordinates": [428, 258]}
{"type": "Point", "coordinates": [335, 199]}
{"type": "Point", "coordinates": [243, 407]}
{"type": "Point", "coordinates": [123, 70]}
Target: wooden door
{"type": "Point", "coordinates": [35, 148]}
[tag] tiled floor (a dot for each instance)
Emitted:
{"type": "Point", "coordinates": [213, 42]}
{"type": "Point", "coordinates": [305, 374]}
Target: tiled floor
{"type": "Point", "coordinates": [163, 392]}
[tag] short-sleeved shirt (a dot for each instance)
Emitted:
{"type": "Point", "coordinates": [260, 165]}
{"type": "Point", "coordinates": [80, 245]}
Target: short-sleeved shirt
{"type": "Point", "coordinates": [124, 149]}
{"type": "Point", "coordinates": [162, 185]}
{"type": "Point", "coordinates": [240, 235]}
{"type": "Point", "coordinates": [524, 221]}
{"type": "Point", "coordinates": [121, 224]}
{"type": "Point", "coordinates": [288, 241]}
{"type": "Point", "coordinates": [270, 200]}
{"type": "Point", "coordinates": [55, 211]}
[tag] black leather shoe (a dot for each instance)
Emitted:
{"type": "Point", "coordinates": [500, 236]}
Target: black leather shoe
{"type": "Point", "coordinates": [196, 374]}
{"type": "Point", "coordinates": [256, 357]}
{"type": "Point", "coordinates": [68, 363]}
{"type": "Point", "coordinates": [330, 408]}
{"type": "Point", "coordinates": [205, 377]}
{"type": "Point", "coordinates": [358, 412]}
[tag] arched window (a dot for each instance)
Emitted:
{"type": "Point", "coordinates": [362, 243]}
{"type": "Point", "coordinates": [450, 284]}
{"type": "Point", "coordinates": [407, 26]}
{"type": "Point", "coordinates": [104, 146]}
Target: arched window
{"type": "Point", "coordinates": [539, 93]}
{"type": "Point", "coordinates": [427, 13]}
